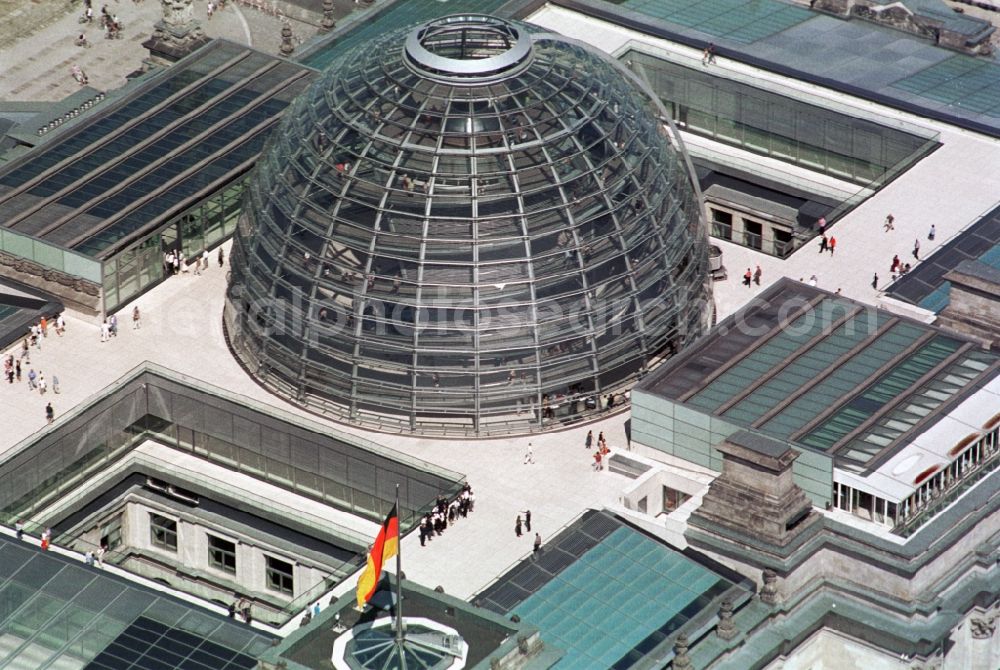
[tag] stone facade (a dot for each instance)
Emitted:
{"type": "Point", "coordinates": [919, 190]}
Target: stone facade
{"type": "Point", "coordinates": [755, 493]}
{"type": "Point", "coordinates": [974, 303]}
{"type": "Point", "coordinates": [75, 292]}
{"type": "Point", "coordinates": [177, 34]}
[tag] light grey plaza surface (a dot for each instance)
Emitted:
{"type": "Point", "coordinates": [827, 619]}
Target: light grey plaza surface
{"type": "Point", "coordinates": [182, 322]}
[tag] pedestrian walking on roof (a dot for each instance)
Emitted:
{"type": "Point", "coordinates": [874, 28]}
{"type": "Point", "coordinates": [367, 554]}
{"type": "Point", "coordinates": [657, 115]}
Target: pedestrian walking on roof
{"type": "Point", "coordinates": [916, 249]}
{"type": "Point", "coordinates": [833, 244]}
{"type": "Point", "coordinates": [50, 414]}
{"type": "Point", "coordinates": [932, 233]}
{"type": "Point", "coordinates": [824, 244]}
{"type": "Point", "coordinates": [889, 221]}
{"type": "Point", "coordinates": [527, 520]}
{"type": "Point", "coordinates": [55, 384]}
{"type": "Point", "coordinates": [31, 379]}
{"type": "Point", "coordinates": [875, 281]}
{"type": "Point", "coordinates": [136, 318]}
{"type": "Point", "coordinates": [589, 442]}
{"type": "Point", "coordinates": [517, 526]}
{"type": "Point", "coordinates": [756, 275]}
{"type": "Point", "coordinates": [747, 278]}
{"type": "Point", "coordinates": [222, 257]}
{"type": "Point", "coordinates": [105, 331]}
{"type": "Point", "coordinates": [19, 529]}
{"type": "Point", "coordinates": [529, 454]}
{"type": "Point", "coordinates": [41, 383]}
{"type": "Point", "coordinates": [708, 56]}
{"type": "Point", "coordinates": [538, 543]}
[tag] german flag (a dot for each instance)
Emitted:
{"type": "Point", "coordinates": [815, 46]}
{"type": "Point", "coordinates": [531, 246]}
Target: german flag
{"type": "Point", "coordinates": [385, 547]}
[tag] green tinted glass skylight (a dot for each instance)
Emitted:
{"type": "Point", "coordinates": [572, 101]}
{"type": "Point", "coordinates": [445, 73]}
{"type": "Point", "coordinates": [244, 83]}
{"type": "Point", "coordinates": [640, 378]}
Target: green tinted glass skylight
{"type": "Point", "coordinates": [943, 387]}
{"type": "Point", "coordinates": [806, 367]}
{"type": "Point", "coordinates": [763, 359]}
{"type": "Point", "coordinates": [889, 386]}
{"type": "Point", "coordinates": [844, 381]}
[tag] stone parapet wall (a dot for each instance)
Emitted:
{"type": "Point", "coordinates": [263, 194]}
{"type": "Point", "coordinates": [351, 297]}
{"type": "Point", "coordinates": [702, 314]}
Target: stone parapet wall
{"type": "Point", "coordinates": [75, 293]}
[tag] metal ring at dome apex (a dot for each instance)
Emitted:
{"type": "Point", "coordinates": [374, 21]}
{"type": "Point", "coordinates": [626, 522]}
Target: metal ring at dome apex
{"type": "Point", "coordinates": [473, 68]}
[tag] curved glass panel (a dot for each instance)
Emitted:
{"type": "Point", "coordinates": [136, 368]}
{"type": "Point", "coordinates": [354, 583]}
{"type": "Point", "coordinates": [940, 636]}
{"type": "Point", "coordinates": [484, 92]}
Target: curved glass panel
{"type": "Point", "coordinates": [434, 252]}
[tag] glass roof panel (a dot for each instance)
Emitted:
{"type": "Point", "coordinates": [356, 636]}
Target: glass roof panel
{"type": "Point", "coordinates": [807, 366]}
{"type": "Point", "coordinates": [762, 359]}
{"type": "Point", "coordinates": [598, 606]}
{"type": "Point", "coordinates": [244, 94]}
{"type": "Point", "coordinates": [843, 381]}
{"type": "Point", "coordinates": [921, 402]}
{"type": "Point", "coordinates": [886, 389]}
{"type": "Point", "coordinates": [55, 611]}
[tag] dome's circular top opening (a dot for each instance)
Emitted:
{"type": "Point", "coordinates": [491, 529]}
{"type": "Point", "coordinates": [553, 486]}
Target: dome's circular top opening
{"type": "Point", "coordinates": [468, 47]}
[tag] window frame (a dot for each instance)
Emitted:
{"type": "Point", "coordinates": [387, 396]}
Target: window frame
{"type": "Point", "coordinates": [156, 525]}
{"type": "Point", "coordinates": [271, 571]}
{"type": "Point", "coordinates": [112, 530]}
{"type": "Point", "coordinates": [217, 555]}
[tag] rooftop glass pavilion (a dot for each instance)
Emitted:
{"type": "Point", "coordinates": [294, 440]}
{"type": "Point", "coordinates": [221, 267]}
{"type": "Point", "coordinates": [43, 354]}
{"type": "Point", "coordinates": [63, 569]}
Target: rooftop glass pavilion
{"type": "Point", "coordinates": [157, 167]}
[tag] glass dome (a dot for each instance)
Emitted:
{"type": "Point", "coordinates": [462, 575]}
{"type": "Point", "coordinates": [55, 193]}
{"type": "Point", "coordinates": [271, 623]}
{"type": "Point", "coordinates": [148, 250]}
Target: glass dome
{"type": "Point", "coordinates": [467, 228]}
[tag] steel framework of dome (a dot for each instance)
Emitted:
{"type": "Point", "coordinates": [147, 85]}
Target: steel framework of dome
{"type": "Point", "coordinates": [466, 228]}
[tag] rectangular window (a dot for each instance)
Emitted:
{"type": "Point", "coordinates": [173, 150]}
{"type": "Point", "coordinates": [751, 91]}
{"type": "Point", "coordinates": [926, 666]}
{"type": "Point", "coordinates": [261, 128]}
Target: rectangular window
{"type": "Point", "coordinates": [279, 575]}
{"type": "Point", "coordinates": [163, 532]}
{"type": "Point", "coordinates": [222, 554]}
{"type": "Point", "coordinates": [722, 224]}
{"type": "Point", "coordinates": [672, 499]}
{"type": "Point", "coordinates": [111, 533]}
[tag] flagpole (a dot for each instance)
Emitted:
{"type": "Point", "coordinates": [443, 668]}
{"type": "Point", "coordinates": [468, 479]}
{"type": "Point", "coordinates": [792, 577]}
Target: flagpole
{"type": "Point", "coordinates": [399, 580]}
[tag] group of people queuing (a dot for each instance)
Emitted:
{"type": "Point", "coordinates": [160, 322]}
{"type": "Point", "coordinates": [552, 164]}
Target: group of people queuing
{"type": "Point", "coordinates": [445, 513]}
{"type": "Point", "coordinates": [17, 364]}
{"type": "Point", "coordinates": [601, 452]}
{"type": "Point", "coordinates": [174, 261]}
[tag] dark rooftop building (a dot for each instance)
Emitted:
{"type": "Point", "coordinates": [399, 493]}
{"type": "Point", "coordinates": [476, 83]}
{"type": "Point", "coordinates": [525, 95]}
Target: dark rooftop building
{"type": "Point", "coordinates": [926, 285]}
{"type": "Point", "coordinates": [156, 168]}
